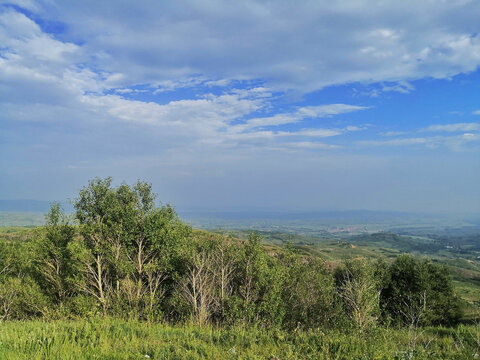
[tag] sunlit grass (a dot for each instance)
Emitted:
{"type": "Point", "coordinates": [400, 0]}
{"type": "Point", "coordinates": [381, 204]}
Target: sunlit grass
{"type": "Point", "coordinates": [119, 339]}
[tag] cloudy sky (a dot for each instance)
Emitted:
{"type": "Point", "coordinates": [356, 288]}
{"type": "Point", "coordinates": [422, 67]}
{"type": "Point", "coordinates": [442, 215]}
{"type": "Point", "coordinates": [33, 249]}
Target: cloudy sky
{"type": "Point", "coordinates": [300, 105]}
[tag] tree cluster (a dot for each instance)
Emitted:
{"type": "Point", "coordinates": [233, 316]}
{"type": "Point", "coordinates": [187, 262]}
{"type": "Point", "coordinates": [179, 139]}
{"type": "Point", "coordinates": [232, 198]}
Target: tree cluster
{"type": "Point", "coordinates": [121, 255]}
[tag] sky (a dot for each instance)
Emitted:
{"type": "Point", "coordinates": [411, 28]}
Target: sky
{"type": "Point", "coordinates": [266, 105]}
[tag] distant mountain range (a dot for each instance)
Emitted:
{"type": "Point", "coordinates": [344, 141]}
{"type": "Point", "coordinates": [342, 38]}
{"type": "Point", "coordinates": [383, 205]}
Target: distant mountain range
{"type": "Point", "coordinates": [304, 215]}
{"type": "Point", "coordinates": [246, 217]}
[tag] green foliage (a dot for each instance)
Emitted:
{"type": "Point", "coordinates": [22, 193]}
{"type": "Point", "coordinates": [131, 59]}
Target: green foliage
{"type": "Point", "coordinates": [419, 291]}
{"type": "Point", "coordinates": [53, 260]}
{"type": "Point", "coordinates": [359, 290]}
{"type": "Point", "coordinates": [21, 298]}
{"type": "Point", "coordinates": [130, 249]}
{"type": "Point", "coordinates": [257, 283]}
{"type": "Point", "coordinates": [308, 293]}
{"type": "Point", "coordinates": [4, 260]}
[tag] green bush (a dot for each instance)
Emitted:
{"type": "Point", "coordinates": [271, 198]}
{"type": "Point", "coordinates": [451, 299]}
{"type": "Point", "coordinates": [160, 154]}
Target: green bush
{"type": "Point", "coordinates": [419, 292]}
{"type": "Point", "coordinates": [22, 298]}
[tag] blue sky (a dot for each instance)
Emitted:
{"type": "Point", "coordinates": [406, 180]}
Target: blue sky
{"type": "Point", "coordinates": [267, 105]}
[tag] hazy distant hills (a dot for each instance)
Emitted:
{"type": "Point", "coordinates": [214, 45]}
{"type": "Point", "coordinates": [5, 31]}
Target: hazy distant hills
{"type": "Point", "coordinates": [321, 223]}
{"type": "Point", "coordinates": [24, 206]}
{"type": "Point", "coordinates": [31, 212]}
{"type": "Point", "coordinates": [337, 215]}
{"type": "Point", "coordinates": [317, 217]}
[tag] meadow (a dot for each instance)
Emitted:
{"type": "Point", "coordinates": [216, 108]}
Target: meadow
{"type": "Point", "coordinates": [108, 338]}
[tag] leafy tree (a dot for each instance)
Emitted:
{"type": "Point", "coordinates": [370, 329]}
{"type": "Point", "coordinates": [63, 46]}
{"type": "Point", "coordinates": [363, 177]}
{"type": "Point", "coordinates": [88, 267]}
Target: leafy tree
{"type": "Point", "coordinates": [207, 283]}
{"type": "Point", "coordinates": [53, 259]}
{"type": "Point", "coordinates": [198, 287]}
{"type": "Point", "coordinates": [22, 298]}
{"type": "Point", "coordinates": [421, 290]}
{"type": "Point", "coordinates": [129, 247]}
{"type": "Point", "coordinates": [359, 290]}
{"type": "Point", "coordinates": [129, 257]}
{"type": "Point", "coordinates": [308, 292]}
{"type": "Point", "coordinates": [4, 260]}
{"type": "Point", "coordinates": [258, 282]}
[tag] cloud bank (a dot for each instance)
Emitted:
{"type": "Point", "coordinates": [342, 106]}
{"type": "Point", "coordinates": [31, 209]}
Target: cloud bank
{"type": "Point", "coordinates": [190, 88]}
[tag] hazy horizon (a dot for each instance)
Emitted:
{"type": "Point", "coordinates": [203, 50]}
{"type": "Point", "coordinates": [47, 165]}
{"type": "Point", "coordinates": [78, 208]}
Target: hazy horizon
{"type": "Point", "coordinates": [43, 206]}
{"type": "Point", "coordinates": [288, 106]}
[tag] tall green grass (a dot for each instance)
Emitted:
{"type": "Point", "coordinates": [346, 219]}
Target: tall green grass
{"type": "Point", "coordinates": [119, 339]}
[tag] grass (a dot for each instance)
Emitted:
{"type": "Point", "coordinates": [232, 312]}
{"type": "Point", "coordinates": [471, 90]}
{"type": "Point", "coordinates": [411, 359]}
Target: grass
{"type": "Point", "coordinates": [119, 339]}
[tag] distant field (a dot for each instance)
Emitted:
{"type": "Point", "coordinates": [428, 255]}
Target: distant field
{"type": "Point", "coordinates": [8, 218]}
{"type": "Point", "coordinates": [341, 224]}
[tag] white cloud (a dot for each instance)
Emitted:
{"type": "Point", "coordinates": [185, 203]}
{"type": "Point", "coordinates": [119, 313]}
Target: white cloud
{"type": "Point", "coordinates": [328, 110]}
{"type": "Point", "coordinates": [195, 118]}
{"type": "Point", "coordinates": [313, 132]}
{"type": "Point", "coordinates": [458, 127]}
{"type": "Point", "coordinates": [221, 82]}
{"type": "Point", "coordinates": [391, 133]}
{"type": "Point", "coordinates": [175, 84]}
{"type": "Point", "coordinates": [398, 142]}
{"type": "Point", "coordinates": [89, 75]}
{"type": "Point", "coordinates": [32, 46]}
{"type": "Point", "coordinates": [402, 87]}
{"type": "Point", "coordinates": [123, 91]}
{"type": "Point", "coordinates": [312, 145]}
{"type": "Point", "coordinates": [455, 143]}
{"type": "Point", "coordinates": [302, 46]}
{"type": "Point", "coordinates": [55, 86]}
{"type": "Point", "coordinates": [37, 69]}
{"type": "Point", "coordinates": [300, 114]}
{"type": "Point", "coordinates": [357, 128]}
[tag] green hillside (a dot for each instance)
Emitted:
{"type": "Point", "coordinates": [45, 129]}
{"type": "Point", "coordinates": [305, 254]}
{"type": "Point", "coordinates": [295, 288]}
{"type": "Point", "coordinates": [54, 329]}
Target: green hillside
{"type": "Point", "coordinates": [120, 339]}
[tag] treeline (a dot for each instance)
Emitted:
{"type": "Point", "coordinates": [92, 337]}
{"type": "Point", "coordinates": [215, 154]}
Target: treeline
{"type": "Point", "coordinates": [123, 256]}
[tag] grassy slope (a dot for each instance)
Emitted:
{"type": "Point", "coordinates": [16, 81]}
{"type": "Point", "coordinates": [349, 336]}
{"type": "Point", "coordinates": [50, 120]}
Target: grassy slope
{"type": "Point", "coordinates": [118, 339]}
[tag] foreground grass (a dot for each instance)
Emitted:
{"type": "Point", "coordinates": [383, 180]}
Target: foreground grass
{"type": "Point", "coordinates": [118, 339]}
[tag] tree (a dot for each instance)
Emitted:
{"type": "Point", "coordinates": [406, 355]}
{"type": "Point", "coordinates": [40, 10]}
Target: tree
{"type": "Point", "coordinates": [5, 260]}
{"type": "Point", "coordinates": [420, 284]}
{"type": "Point", "coordinates": [53, 262]}
{"type": "Point", "coordinates": [198, 287]}
{"type": "Point", "coordinates": [258, 283]}
{"type": "Point", "coordinates": [359, 290]}
{"type": "Point", "coordinates": [21, 298]}
{"type": "Point", "coordinates": [129, 246]}
{"type": "Point", "coordinates": [207, 283]}
{"type": "Point", "coordinates": [223, 261]}
{"type": "Point", "coordinates": [308, 292]}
